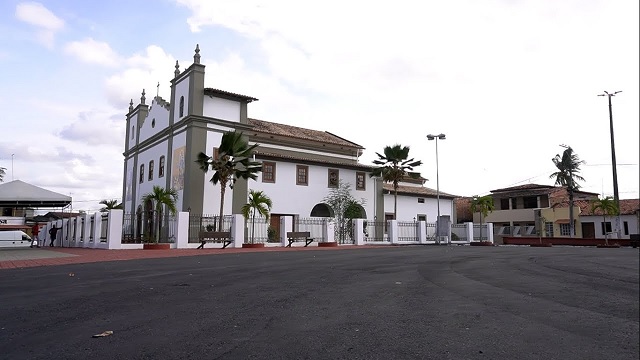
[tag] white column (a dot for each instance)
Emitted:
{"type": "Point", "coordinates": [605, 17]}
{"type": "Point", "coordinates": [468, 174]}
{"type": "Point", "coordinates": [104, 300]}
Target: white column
{"type": "Point", "coordinates": [114, 234]}
{"type": "Point", "coordinates": [64, 232]}
{"type": "Point", "coordinates": [392, 229]}
{"type": "Point", "coordinates": [422, 232]}
{"type": "Point", "coordinates": [182, 232]}
{"type": "Point", "coordinates": [237, 230]}
{"type": "Point", "coordinates": [359, 231]}
{"type": "Point", "coordinates": [286, 224]}
{"type": "Point", "coordinates": [469, 230]}
{"type": "Point", "coordinates": [97, 225]}
{"type": "Point", "coordinates": [329, 233]}
{"type": "Point", "coordinates": [490, 232]}
{"type": "Point", "coordinates": [87, 230]}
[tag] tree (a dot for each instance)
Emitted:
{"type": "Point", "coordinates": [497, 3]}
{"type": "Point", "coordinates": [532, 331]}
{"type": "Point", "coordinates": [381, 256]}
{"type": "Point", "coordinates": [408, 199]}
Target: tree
{"type": "Point", "coordinates": [483, 205]}
{"type": "Point", "coordinates": [160, 197]}
{"type": "Point", "coordinates": [110, 205]}
{"type": "Point", "coordinates": [568, 166]}
{"type": "Point", "coordinates": [345, 208]}
{"type": "Point", "coordinates": [259, 203]}
{"type": "Point", "coordinates": [608, 207]}
{"type": "Point", "coordinates": [232, 163]}
{"type": "Point", "coordinates": [2, 172]}
{"type": "Point", "coordinates": [394, 166]}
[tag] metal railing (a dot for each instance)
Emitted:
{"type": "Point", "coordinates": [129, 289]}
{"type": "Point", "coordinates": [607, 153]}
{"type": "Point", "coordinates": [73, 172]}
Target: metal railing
{"type": "Point", "coordinates": [374, 230]}
{"type": "Point", "coordinates": [92, 221]}
{"type": "Point", "coordinates": [203, 222]}
{"type": "Point", "coordinates": [459, 232]}
{"type": "Point", "coordinates": [256, 230]}
{"type": "Point", "coordinates": [104, 227]}
{"type": "Point", "coordinates": [408, 231]}
{"type": "Point", "coordinates": [315, 226]}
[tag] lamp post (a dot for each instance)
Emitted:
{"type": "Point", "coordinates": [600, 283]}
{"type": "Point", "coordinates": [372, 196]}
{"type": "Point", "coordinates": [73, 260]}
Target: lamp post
{"type": "Point", "coordinates": [616, 197]}
{"type": "Point", "coordinates": [436, 137]}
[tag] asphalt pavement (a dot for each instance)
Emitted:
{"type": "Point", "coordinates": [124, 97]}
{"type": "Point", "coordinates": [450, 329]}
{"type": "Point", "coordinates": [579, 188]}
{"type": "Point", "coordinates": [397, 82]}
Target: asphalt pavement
{"type": "Point", "coordinates": [413, 302]}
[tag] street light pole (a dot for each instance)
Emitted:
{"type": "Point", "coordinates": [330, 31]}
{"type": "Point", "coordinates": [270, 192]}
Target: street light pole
{"type": "Point", "coordinates": [436, 137]}
{"type": "Point", "coordinates": [616, 197]}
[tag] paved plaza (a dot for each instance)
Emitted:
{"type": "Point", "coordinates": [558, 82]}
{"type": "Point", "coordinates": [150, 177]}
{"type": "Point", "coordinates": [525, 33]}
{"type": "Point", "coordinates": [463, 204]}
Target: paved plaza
{"type": "Point", "coordinates": [400, 302]}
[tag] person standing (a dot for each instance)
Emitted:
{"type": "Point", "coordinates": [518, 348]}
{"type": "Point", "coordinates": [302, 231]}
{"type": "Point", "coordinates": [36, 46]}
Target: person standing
{"type": "Point", "coordinates": [35, 230]}
{"type": "Point", "coordinates": [52, 234]}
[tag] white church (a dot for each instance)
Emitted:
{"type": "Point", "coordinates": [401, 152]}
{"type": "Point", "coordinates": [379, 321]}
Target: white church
{"type": "Point", "coordinates": [300, 166]}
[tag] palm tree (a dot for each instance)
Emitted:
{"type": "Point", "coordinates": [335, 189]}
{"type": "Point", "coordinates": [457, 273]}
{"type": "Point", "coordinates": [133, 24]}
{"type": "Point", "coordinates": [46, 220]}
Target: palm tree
{"type": "Point", "coordinates": [483, 205]}
{"type": "Point", "coordinates": [259, 203]}
{"type": "Point", "coordinates": [394, 166]}
{"type": "Point", "coordinates": [232, 163]}
{"type": "Point", "coordinates": [160, 197]}
{"type": "Point", "coordinates": [2, 172]}
{"type": "Point", "coordinates": [608, 207]}
{"type": "Point", "coordinates": [110, 205]}
{"type": "Point", "coordinates": [568, 166]}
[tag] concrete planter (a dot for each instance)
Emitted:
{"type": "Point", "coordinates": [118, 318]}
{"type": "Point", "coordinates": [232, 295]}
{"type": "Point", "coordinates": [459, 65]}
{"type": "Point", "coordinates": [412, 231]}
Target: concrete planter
{"type": "Point", "coordinates": [328, 244]}
{"type": "Point", "coordinates": [610, 246]}
{"type": "Point", "coordinates": [541, 245]}
{"type": "Point", "coordinates": [481, 243]}
{"type": "Point", "coordinates": [252, 246]}
{"type": "Point", "coordinates": [164, 246]}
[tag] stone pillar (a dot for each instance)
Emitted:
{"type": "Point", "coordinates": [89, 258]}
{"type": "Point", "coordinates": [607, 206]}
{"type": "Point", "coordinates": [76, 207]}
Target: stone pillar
{"type": "Point", "coordinates": [97, 226]}
{"type": "Point", "coordinates": [114, 234]}
{"type": "Point", "coordinates": [237, 230]}
{"type": "Point", "coordinates": [359, 231]}
{"type": "Point", "coordinates": [182, 231]}
{"type": "Point", "coordinates": [392, 229]}
{"type": "Point", "coordinates": [489, 230]}
{"type": "Point", "coordinates": [422, 232]}
{"type": "Point", "coordinates": [286, 224]}
{"type": "Point", "coordinates": [328, 232]}
{"type": "Point", "coordinates": [469, 231]}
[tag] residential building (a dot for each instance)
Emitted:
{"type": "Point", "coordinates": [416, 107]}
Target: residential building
{"type": "Point", "coordinates": [595, 225]}
{"type": "Point", "coordinates": [300, 166]}
{"type": "Point", "coordinates": [524, 210]}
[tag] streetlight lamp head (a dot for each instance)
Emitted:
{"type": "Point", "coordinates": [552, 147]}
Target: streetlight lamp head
{"type": "Point", "coordinates": [431, 137]}
{"type": "Point", "coordinates": [441, 137]}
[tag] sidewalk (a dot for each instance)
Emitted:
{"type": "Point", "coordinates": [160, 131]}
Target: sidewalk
{"type": "Point", "coordinates": [24, 258]}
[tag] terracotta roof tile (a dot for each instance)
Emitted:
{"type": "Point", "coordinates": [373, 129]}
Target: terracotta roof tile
{"type": "Point", "coordinates": [300, 133]}
{"type": "Point", "coordinates": [463, 209]}
{"type": "Point", "coordinates": [259, 153]}
{"type": "Point", "coordinates": [627, 207]}
{"type": "Point", "coordinates": [416, 190]}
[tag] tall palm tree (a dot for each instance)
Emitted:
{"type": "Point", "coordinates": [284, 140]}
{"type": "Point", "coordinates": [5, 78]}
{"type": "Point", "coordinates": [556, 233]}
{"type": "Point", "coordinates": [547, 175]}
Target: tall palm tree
{"type": "Point", "coordinates": [483, 205]}
{"type": "Point", "coordinates": [233, 162]}
{"type": "Point", "coordinates": [608, 207]}
{"type": "Point", "coordinates": [2, 172]}
{"type": "Point", "coordinates": [259, 203]}
{"type": "Point", "coordinates": [110, 205]}
{"type": "Point", "coordinates": [568, 166]}
{"type": "Point", "coordinates": [160, 197]}
{"type": "Point", "coordinates": [393, 166]}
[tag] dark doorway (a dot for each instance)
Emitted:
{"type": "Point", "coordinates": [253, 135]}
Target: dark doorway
{"type": "Point", "coordinates": [588, 230]}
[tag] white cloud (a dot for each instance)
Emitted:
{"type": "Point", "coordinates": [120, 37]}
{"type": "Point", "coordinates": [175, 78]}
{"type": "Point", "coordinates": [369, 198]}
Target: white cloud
{"type": "Point", "coordinates": [96, 128]}
{"type": "Point", "coordinates": [94, 52]}
{"type": "Point", "coordinates": [38, 15]}
{"type": "Point", "coordinates": [143, 71]}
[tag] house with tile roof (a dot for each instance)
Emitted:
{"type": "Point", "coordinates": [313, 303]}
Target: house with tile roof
{"type": "Point", "coordinates": [595, 225]}
{"type": "Point", "coordinates": [300, 166]}
{"type": "Point", "coordinates": [527, 210]}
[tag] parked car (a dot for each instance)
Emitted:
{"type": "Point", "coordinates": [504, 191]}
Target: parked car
{"type": "Point", "coordinates": [14, 238]}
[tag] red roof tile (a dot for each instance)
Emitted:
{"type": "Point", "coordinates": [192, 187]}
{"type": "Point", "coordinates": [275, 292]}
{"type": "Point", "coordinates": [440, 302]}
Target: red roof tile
{"type": "Point", "coordinates": [300, 133]}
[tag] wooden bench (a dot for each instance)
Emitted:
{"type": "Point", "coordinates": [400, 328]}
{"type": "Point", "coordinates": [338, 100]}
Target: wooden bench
{"type": "Point", "coordinates": [305, 236]}
{"type": "Point", "coordinates": [223, 237]}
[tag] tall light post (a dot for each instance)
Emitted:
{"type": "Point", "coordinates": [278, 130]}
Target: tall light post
{"type": "Point", "coordinates": [616, 197]}
{"type": "Point", "coordinates": [436, 137]}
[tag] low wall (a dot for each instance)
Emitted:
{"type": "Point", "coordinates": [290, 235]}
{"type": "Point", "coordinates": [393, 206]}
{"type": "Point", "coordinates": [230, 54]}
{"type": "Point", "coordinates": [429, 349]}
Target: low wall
{"type": "Point", "coordinates": [510, 240]}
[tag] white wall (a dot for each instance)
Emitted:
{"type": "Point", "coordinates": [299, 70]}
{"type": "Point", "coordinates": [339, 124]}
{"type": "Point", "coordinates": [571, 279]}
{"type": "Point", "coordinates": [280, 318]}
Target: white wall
{"type": "Point", "coordinates": [631, 220]}
{"type": "Point", "coordinates": [289, 198]}
{"type": "Point", "coordinates": [211, 201]}
{"type": "Point", "coordinates": [182, 89]}
{"type": "Point", "coordinates": [154, 153]}
{"type": "Point", "coordinates": [221, 109]}
{"type": "Point", "coordinates": [161, 116]}
{"type": "Point", "coordinates": [408, 207]}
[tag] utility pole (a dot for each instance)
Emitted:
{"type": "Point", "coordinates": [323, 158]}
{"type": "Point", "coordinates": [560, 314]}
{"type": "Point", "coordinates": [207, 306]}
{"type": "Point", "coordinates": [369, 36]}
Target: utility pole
{"type": "Point", "coordinates": [616, 197]}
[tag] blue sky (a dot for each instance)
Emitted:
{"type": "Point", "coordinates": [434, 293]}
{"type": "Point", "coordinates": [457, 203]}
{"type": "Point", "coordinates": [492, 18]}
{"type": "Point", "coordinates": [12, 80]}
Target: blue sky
{"type": "Point", "coordinates": [506, 81]}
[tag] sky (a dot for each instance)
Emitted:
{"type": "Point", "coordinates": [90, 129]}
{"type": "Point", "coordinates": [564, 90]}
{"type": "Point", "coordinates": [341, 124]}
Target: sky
{"type": "Point", "coordinates": [507, 81]}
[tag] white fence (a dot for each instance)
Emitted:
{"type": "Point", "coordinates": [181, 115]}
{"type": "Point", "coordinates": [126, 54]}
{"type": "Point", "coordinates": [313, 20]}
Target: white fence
{"type": "Point", "coordinates": [105, 231]}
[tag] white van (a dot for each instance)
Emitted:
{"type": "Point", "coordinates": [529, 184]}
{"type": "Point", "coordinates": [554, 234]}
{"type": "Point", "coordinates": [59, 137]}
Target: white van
{"type": "Point", "coordinates": [14, 238]}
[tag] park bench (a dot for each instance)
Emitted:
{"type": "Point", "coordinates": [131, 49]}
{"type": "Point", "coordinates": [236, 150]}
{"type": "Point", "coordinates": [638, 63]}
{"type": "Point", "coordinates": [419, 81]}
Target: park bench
{"type": "Point", "coordinates": [223, 237]}
{"type": "Point", "coordinates": [293, 236]}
